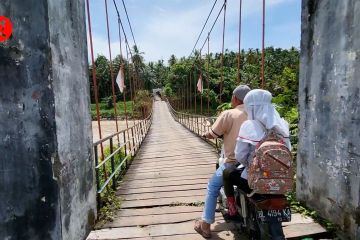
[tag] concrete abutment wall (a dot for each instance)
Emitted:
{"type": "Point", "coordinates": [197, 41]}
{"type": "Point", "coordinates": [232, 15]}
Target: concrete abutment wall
{"type": "Point", "coordinates": [329, 143]}
{"type": "Point", "coordinates": [47, 188]}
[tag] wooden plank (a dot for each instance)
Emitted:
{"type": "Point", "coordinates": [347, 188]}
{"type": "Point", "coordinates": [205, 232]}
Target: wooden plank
{"type": "Point", "coordinates": [165, 194]}
{"type": "Point", "coordinates": [170, 179]}
{"type": "Point", "coordinates": [183, 147]}
{"type": "Point", "coordinates": [170, 170]}
{"type": "Point", "coordinates": [161, 230]}
{"type": "Point", "coordinates": [223, 235]}
{"type": "Point", "coordinates": [181, 166]}
{"type": "Point", "coordinates": [162, 174]}
{"type": "Point", "coordinates": [153, 145]}
{"type": "Point", "coordinates": [169, 175]}
{"type": "Point", "coordinates": [176, 161]}
{"type": "Point", "coordinates": [156, 157]}
{"type": "Point", "coordinates": [166, 159]}
{"type": "Point", "coordinates": [302, 230]}
{"type": "Point", "coordinates": [297, 218]}
{"type": "Point", "coordinates": [126, 191]}
{"type": "Point", "coordinates": [152, 219]}
{"type": "Point", "coordinates": [157, 211]}
{"type": "Point", "coordinates": [170, 141]}
{"type": "Point", "coordinates": [162, 202]}
{"type": "Point", "coordinates": [154, 183]}
{"type": "Point", "coordinates": [185, 162]}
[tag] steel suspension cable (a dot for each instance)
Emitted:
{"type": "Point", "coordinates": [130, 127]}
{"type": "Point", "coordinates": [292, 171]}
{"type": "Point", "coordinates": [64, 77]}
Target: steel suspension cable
{"type": "Point", "coordinates": [212, 27]}
{"type": "Point", "coordinates": [127, 16]}
{"type": "Point", "coordinates": [130, 83]}
{"type": "Point", "coordinates": [239, 54]}
{"type": "Point", "coordinates": [208, 75]}
{"type": "Point", "coordinates": [190, 88]}
{"type": "Point", "coordinates": [184, 96]}
{"type": "Point", "coordinates": [222, 53]}
{"type": "Point", "coordinates": [188, 106]}
{"type": "Point", "coordinates": [111, 70]}
{"type": "Point", "coordinates": [207, 19]}
{"type": "Point", "coordinates": [195, 88]}
{"type": "Point", "coordinates": [127, 56]}
{"type": "Point", "coordinates": [95, 88]}
{"type": "Point", "coordinates": [201, 100]}
{"type": "Point", "coordinates": [122, 71]}
{"type": "Point", "coordinates": [263, 48]}
{"type": "Point", "coordinates": [126, 40]}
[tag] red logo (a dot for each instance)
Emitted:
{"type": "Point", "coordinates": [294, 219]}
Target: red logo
{"type": "Point", "coordinates": [5, 28]}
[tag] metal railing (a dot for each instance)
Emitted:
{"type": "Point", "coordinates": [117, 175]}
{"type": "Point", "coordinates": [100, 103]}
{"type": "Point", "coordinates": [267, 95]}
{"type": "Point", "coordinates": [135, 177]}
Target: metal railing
{"type": "Point", "coordinates": [198, 124]}
{"type": "Point", "coordinates": [118, 155]}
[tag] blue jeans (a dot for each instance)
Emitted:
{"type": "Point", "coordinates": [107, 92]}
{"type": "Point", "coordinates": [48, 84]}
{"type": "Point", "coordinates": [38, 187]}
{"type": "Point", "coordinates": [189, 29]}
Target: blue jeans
{"type": "Point", "coordinates": [214, 186]}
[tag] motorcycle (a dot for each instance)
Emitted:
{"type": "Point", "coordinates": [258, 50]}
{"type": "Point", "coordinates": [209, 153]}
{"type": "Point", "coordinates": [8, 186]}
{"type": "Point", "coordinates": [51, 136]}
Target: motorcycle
{"type": "Point", "coordinates": [261, 214]}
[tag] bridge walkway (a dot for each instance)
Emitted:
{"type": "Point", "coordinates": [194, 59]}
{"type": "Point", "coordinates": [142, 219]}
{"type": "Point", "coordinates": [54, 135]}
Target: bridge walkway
{"type": "Point", "coordinates": [164, 189]}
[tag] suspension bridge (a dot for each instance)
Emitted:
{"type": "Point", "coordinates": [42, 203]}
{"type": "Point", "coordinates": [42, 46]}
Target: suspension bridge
{"type": "Point", "coordinates": [158, 166]}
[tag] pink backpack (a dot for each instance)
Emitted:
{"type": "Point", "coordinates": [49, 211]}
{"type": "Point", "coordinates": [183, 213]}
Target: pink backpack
{"type": "Point", "coordinates": [271, 169]}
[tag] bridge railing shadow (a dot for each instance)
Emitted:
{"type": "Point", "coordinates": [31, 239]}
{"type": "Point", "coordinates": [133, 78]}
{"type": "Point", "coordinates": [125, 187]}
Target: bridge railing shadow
{"type": "Point", "coordinates": [122, 147]}
{"type": "Point", "coordinates": [198, 124]}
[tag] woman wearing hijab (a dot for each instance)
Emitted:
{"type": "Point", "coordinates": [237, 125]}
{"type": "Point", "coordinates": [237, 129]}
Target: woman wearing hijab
{"type": "Point", "coordinates": [262, 116]}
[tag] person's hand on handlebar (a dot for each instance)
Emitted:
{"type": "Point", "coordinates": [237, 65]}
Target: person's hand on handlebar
{"type": "Point", "coordinates": [207, 135]}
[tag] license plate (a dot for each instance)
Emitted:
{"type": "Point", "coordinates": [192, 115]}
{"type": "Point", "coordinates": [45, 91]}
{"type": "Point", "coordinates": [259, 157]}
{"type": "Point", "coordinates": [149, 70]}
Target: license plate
{"type": "Point", "coordinates": [283, 215]}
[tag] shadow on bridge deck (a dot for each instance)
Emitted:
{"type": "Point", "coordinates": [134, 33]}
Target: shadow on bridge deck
{"type": "Point", "coordinates": [165, 186]}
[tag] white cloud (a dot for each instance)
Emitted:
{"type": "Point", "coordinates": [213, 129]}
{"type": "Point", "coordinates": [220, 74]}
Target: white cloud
{"type": "Point", "coordinates": [101, 47]}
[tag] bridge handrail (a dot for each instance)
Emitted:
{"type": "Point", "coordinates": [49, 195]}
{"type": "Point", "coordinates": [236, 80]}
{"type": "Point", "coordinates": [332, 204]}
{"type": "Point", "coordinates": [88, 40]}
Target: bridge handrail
{"type": "Point", "coordinates": [184, 119]}
{"type": "Point", "coordinates": [127, 144]}
{"type": "Point", "coordinates": [192, 123]}
{"type": "Point", "coordinates": [119, 132]}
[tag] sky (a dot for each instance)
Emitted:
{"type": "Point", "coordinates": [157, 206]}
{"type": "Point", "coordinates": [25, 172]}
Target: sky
{"type": "Point", "coordinates": [165, 27]}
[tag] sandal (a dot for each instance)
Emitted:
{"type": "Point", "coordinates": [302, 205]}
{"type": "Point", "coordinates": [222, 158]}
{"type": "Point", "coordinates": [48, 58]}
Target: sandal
{"type": "Point", "coordinates": [199, 230]}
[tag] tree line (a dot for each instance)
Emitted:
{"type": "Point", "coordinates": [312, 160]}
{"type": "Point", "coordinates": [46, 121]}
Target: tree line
{"type": "Point", "coordinates": [281, 75]}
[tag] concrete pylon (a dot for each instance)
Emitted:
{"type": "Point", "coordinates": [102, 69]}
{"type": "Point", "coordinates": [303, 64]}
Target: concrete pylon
{"type": "Point", "coordinates": [328, 163]}
{"type": "Point", "coordinates": [47, 188]}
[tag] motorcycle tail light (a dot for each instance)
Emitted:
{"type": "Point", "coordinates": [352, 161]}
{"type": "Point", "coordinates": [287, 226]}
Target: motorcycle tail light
{"type": "Point", "coordinates": [277, 203]}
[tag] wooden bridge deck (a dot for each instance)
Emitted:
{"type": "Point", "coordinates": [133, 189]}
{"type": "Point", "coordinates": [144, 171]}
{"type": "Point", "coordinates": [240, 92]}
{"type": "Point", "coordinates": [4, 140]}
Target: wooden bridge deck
{"type": "Point", "coordinates": [163, 191]}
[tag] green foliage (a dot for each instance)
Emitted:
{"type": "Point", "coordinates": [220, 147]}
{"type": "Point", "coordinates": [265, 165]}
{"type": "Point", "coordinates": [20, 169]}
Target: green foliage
{"type": "Point", "coordinates": [300, 208]}
{"type": "Point", "coordinates": [118, 158]}
{"type": "Point", "coordinates": [134, 69]}
{"type": "Point", "coordinates": [281, 75]}
{"type": "Point", "coordinates": [107, 111]}
{"type": "Point", "coordinates": [143, 104]}
{"type": "Point", "coordinates": [111, 203]}
{"type": "Point", "coordinates": [168, 91]}
{"type": "Point", "coordinates": [223, 107]}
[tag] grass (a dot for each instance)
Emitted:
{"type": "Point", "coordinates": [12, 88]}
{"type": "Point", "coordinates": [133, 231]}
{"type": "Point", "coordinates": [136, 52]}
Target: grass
{"type": "Point", "coordinates": [108, 112]}
{"type": "Point", "coordinates": [110, 202]}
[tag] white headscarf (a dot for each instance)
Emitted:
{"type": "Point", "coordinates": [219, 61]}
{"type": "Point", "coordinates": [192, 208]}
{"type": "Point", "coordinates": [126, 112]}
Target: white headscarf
{"type": "Point", "coordinates": [259, 108]}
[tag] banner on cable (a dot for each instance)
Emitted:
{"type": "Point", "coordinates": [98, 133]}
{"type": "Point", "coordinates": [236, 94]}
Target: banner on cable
{"type": "Point", "coordinates": [120, 79]}
{"type": "Point", "coordinates": [200, 84]}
